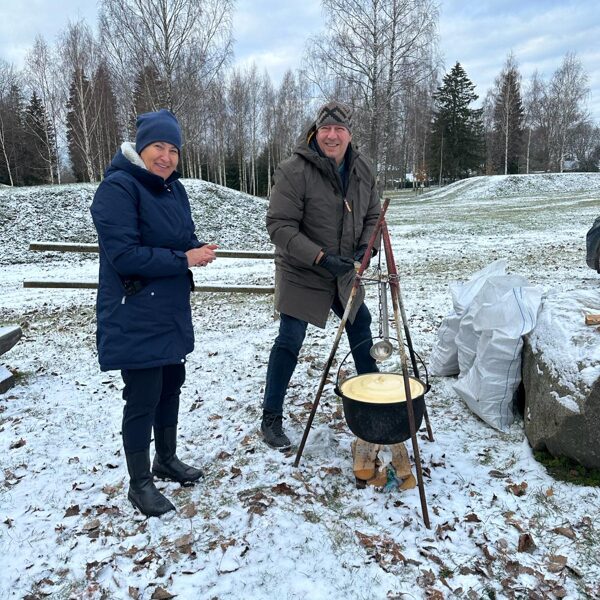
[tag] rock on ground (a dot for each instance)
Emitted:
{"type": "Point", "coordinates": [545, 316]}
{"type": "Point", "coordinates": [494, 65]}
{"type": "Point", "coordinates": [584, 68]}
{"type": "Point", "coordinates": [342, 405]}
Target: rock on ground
{"type": "Point", "coordinates": [561, 375]}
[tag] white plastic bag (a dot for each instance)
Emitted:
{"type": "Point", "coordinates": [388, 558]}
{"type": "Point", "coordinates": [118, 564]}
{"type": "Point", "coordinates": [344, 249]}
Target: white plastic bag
{"type": "Point", "coordinates": [489, 385]}
{"type": "Point", "coordinates": [467, 337]}
{"type": "Point", "coordinates": [463, 293]}
{"type": "Point", "coordinates": [443, 360]}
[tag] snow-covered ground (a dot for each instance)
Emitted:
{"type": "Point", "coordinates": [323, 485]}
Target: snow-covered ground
{"type": "Point", "coordinates": [256, 527]}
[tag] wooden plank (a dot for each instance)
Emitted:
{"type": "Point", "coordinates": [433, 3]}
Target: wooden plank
{"type": "Point", "coordinates": [9, 336]}
{"type": "Point", "coordinates": [592, 319]}
{"type": "Point", "coordinates": [62, 247]}
{"type": "Point", "coordinates": [245, 254]}
{"type": "Point", "coordinates": [92, 285]}
{"type": "Point", "coordinates": [69, 247]}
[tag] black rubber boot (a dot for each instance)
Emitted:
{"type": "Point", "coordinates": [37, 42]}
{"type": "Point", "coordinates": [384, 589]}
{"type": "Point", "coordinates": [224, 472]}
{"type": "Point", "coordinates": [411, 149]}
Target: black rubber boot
{"type": "Point", "coordinates": [166, 465]}
{"type": "Point", "coordinates": [142, 491]}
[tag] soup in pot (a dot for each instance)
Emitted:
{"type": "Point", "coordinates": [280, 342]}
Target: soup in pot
{"type": "Point", "coordinates": [380, 388]}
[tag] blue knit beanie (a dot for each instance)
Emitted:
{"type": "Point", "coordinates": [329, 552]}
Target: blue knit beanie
{"type": "Point", "coordinates": [161, 126]}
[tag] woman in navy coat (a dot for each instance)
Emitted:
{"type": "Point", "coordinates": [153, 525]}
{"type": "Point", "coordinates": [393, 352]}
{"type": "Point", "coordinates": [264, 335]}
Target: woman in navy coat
{"type": "Point", "coordinates": [147, 246]}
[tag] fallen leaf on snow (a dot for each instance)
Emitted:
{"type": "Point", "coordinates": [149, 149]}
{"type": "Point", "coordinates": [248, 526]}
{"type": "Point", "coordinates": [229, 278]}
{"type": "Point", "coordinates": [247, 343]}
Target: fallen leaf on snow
{"type": "Point", "coordinates": [189, 510]}
{"type": "Point", "coordinates": [518, 489]}
{"type": "Point", "coordinates": [72, 510]}
{"type": "Point", "coordinates": [161, 594]}
{"type": "Point", "coordinates": [472, 518]}
{"type": "Point", "coordinates": [556, 563]}
{"type": "Point", "coordinates": [526, 543]}
{"type": "Point", "coordinates": [284, 488]}
{"type": "Point", "coordinates": [566, 531]}
{"type": "Point", "coordinates": [91, 525]}
{"type": "Point", "coordinates": [497, 474]}
{"type": "Point", "coordinates": [426, 579]}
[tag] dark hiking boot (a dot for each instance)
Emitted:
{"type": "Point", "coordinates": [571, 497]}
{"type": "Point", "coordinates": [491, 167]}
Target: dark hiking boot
{"type": "Point", "coordinates": [142, 491]}
{"type": "Point", "coordinates": [272, 431]}
{"type": "Point", "coordinates": [166, 465]}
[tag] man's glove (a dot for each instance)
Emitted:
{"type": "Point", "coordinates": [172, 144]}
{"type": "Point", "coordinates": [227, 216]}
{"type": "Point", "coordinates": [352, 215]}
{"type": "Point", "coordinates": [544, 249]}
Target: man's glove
{"type": "Point", "coordinates": [360, 253]}
{"type": "Point", "coordinates": [336, 265]}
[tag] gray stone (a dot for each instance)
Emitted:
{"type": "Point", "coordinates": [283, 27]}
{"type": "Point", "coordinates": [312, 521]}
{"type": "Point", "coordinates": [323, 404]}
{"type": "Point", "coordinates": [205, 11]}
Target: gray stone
{"type": "Point", "coordinates": [561, 377]}
{"type": "Point", "coordinates": [7, 379]}
{"type": "Point", "coordinates": [9, 336]}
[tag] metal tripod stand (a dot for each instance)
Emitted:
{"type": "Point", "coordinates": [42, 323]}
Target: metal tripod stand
{"type": "Point", "coordinates": [399, 313]}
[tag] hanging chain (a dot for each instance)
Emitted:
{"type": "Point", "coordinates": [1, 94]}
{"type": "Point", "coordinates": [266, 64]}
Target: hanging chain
{"type": "Point", "coordinates": [379, 295]}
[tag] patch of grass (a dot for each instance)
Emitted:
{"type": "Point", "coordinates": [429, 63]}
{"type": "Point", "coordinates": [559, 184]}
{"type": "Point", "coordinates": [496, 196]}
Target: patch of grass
{"type": "Point", "coordinates": [311, 516]}
{"type": "Point", "coordinates": [565, 469]}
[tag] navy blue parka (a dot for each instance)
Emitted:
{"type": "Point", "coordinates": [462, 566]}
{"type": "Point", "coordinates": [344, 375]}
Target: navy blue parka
{"type": "Point", "coordinates": [144, 226]}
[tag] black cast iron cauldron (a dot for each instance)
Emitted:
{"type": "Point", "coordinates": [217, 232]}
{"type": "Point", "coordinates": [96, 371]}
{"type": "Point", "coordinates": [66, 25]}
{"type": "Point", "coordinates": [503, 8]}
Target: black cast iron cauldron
{"type": "Point", "coordinates": [381, 422]}
{"type": "Point", "coordinates": [375, 405]}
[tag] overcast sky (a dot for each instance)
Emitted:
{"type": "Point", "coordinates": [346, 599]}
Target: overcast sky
{"type": "Point", "coordinates": [273, 33]}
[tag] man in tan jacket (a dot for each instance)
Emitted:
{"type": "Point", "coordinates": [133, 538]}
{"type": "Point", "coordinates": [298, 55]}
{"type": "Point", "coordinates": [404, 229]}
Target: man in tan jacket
{"type": "Point", "coordinates": [324, 206]}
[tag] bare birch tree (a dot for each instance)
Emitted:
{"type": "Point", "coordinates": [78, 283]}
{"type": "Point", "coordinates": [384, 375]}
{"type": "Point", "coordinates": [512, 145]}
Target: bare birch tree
{"type": "Point", "coordinates": [171, 36]}
{"type": "Point", "coordinates": [6, 79]}
{"type": "Point", "coordinates": [569, 91]}
{"type": "Point", "coordinates": [44, 76]}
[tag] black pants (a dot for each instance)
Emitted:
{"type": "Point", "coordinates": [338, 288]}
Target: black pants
{"type": "Point", "coordinates": [152, 400]}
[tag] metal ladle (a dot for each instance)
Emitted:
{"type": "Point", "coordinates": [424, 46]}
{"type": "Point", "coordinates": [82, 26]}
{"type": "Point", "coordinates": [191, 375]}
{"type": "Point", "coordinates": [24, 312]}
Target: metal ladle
{"type": "Point", "coordinates": [382, 349]}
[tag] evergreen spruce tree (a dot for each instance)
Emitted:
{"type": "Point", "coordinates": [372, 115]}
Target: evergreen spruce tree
{"type": "Point", "coordinates": [41, 160]}
{"type": "Point", "coordinates": [507, 140]}
{"type": "Point", "coordinates": [457, 140]}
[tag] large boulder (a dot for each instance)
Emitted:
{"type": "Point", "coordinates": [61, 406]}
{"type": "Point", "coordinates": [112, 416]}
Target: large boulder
{"type": "Point", "coordinates": [561, 376]}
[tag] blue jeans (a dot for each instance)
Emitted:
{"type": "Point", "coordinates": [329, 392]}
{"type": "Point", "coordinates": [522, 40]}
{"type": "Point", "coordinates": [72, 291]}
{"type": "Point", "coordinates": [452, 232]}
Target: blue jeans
{"type": "Point", "coordinates": [284, 354]}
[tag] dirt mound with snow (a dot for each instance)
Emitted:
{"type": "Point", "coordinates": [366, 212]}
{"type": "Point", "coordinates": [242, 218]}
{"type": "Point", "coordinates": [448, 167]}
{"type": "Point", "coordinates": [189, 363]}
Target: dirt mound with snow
{"type": "Point", "coordinates": [61, 213]}
{"type": "Point", "coordinates": [505, 186]}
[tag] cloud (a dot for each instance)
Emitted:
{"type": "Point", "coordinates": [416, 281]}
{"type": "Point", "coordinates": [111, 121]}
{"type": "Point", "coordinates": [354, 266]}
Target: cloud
{"type": "Point", "coordinates": [21, 21]}
{"type": "Point", "coordinates": [539, 33]}
{"type": "Point", "coordinates": [274, 34]}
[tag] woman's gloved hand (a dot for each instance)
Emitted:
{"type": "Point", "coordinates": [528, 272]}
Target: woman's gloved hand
{"type": "Point", "coordinates": [336, 265]}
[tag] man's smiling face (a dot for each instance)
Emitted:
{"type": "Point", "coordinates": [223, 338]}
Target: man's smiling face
{"type": "Point", "coordinates": [333, 141]}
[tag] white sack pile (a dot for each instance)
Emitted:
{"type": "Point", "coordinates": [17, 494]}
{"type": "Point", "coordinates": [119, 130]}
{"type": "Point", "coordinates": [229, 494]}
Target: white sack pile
{"type": "Point", "coordinates": [481, 340]}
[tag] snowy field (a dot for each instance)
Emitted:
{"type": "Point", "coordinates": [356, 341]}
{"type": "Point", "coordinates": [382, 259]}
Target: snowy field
{"type": "Point", "coordinates": [256, 527]}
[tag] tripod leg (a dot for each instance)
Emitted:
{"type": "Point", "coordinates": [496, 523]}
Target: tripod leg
{"type": "Point", "coordinates": [389, 257]}
{"type": "Point", "coordinates": [324, 376]}
{"type": "Point", "coordinates": [404, 362]}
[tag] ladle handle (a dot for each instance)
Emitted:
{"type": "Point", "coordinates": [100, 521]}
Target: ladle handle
{"type": "Point", "coordinates": [385, 325]}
